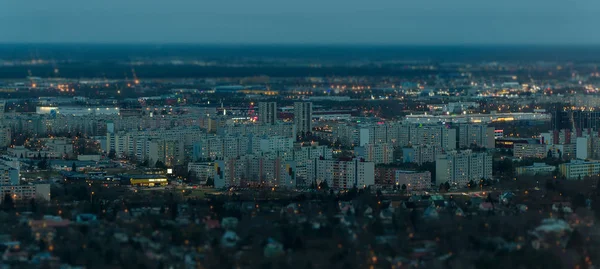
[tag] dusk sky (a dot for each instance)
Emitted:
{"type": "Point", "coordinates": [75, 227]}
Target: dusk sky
{"type": "Point", "coordinates": [433, 22]}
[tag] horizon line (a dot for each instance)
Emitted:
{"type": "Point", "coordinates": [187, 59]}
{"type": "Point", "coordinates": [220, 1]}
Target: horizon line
{"type": "Point", "coordinates": [234, 44]}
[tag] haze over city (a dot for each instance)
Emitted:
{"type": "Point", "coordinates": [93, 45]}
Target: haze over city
{"type": "Point", "coordinates": [433, 22]}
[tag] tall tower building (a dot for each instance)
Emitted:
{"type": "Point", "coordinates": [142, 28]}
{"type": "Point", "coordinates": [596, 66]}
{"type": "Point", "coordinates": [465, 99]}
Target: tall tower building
{"type": "Point", "coordinates": [267, 112]}
{"type": "Point", "coordinates": [303, 116]}
{"type": "Point", "coordinates": [2, 107]}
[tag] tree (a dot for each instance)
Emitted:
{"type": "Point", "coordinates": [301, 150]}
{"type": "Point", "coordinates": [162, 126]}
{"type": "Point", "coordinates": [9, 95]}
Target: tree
{"type": "Point", "coordinates": [112, 154]}
{"type": "Point", "coordinates": [471, 184]}
{"type": "Point", "coordinates": [447, 186]}
{"type": "Point", "coordinates": [74, 167]}
{"type": "Point", "coordinates": [160, 165]}
{"type": "Point", "coordinates": [43, 164]}
{"type": "Point", "coordinates": [578, 201]}
{"type": "Point", "coordinates": [8, 203]}
{"type": "Point", "coordinates": [210, 182]}
{"type": "Point", "coordinates": [323, 185]}
{"type": "Point", "coordinates": [403, 187]}
{"type": "Point", "coordinates": [32, 205]}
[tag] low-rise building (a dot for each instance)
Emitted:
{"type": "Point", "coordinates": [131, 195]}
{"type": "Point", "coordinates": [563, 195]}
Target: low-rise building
{"type": "Point", "coordinates": [27, 192]}
{"type": "Point", "coordinates": [535, 169]}
{"type": "Point", "coordinates": [413, 180]}
{"type": "Point", "coordinates": [144, 180]}
{"type": "Point", "coordinates": [521, 150]}
{"type": "Point", "coordinates": [578, 169]}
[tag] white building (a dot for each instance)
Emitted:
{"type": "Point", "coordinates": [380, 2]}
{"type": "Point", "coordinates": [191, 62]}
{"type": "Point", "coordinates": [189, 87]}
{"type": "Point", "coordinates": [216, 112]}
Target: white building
{"type": "Point", "coordinates": [460, 167]}
{"type": "Point", "coordinates": [377, 153]}
{"type": "Point", "coordinates": [578, 169]}
{"type": "Point", "coordinates": [342, 174]}
{"type": "Point", "coordinates": [275, 143]}
{"type": "Point", "coordinates": [27, 192]}
{"type": "Point", "coordinates": [583, 148]}
{"type": "Point", "coordinates": [8, 175]}
{"type": "Point", "coordinates": [413, 180]}
{"type": "Point", "coordinates": [435, 135]}
{"type": "Point", "coordinates": [535, 169]}
{"type": "Point", "coordinates": [202, 170]}
{"type": "Point", "coordinates": [475, 134]}
{"type": "Point", "coordinates": [420, 154]}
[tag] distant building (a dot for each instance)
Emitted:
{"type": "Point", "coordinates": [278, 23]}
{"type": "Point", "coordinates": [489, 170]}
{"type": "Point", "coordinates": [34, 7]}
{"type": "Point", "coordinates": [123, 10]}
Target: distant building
{"type": "Point", "coordinates": [538, 151]}
{"type": "Point", "coordinates": [376, 153]}
{"type": "Point", "coordinates": [267, 112]}
{"type": "Point", "coordinates": [535, 169]}
{"type": "Point", "coordinates": [303, 116]}
{"type": "Point", "coordinates": [27, 192]}
{"type": "Point", "coordinates": [439, 135]}
{"type": "Point", "coordinates": [460, 167]}
{"type": "Point", "coordinates": [414, 181]}
{"type": "Point", "coordinates": [144, 180]}
{"type": "Point", "coordinates": [202, 171]}
{"type": "Point", "coordinates": [420, 154]}
{"type": "Point", "coordinates": [5, 136]}
{"type": "Point", "coordinates": [342, 174]}
{"type": "Point", "coordinates": [8, 175]}
{"type": "Point", "coordinates": [475, 134]}
{"type": "Point", "coordinates": [578, 169]}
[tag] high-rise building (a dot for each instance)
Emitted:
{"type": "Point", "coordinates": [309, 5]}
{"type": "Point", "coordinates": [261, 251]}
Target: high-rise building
{"type": "Point", "coordinates": [303, 116]}
{"type": "Point", "coordinates": [8, 175]}
{"type": "Point", "coordinates": [5, 137]}
{"type": "Point", "coordinates": [431, 134]}
{"type": "Point", "coordinates": [420, 154]}
{"type": "Point", "coordinates": [475, 135]}
{"type": "Point", "coordinates": [267, 112]}
{"type": "Point", "coordinates": [378, 153]}
{"type": "Point", "coordinates": [342, 174]}
{"type": "Point", "coordinates": [460, 167]}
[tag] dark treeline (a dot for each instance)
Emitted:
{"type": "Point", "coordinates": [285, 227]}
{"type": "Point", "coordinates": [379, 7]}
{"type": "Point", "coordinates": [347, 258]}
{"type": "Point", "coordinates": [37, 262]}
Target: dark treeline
{"type": "Point", "coordinates": [120, 71]}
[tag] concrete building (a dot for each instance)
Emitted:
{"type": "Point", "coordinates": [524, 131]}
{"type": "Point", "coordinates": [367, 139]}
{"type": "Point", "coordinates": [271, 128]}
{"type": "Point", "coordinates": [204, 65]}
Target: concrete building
{"type": "Point", "coordinates": [342, 174]}
{"type": "Point", "coordinates": [522, 150]}
{"type": "Point", "coordinates": [432, 134]}
{"type": "Point", "coordinates": [303, 116]}
{"type": "Point", "coordinates": [475, 135]}
{"type": "Point", "coordinates": [376, 153]}
{"type": "Point", "coordinates": [460, 167]}
{"type": "Point", "coordinates": [535, 169]}
{"type": "Point", "coordinates": [169, 152]}
{"type": "Point", "coordinates": [274, 143]}
{"type": "Point", "coordinates": [583, 149]}
{"type": "Point", "coordinates": [267, 112]}
{"type": "Point", "coordinates": [420, 154]}
{"type": "Point", "coordinates": [9, 175]}
{"type": "Point", "coordinates": [414, 181]}
{"type": "Point", "coordinates": [578, 169]}
{"type": "Point", "coordinates": [5, 136]}
{"type": "Point", "coordinates": [40, 192]}
{"type": "Point", "coordinates": [202, 171]}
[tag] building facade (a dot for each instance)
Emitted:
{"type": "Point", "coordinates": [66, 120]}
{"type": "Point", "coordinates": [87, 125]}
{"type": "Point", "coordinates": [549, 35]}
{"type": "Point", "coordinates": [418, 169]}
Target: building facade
{"type": "Point", "coordinates": [460, 167]}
